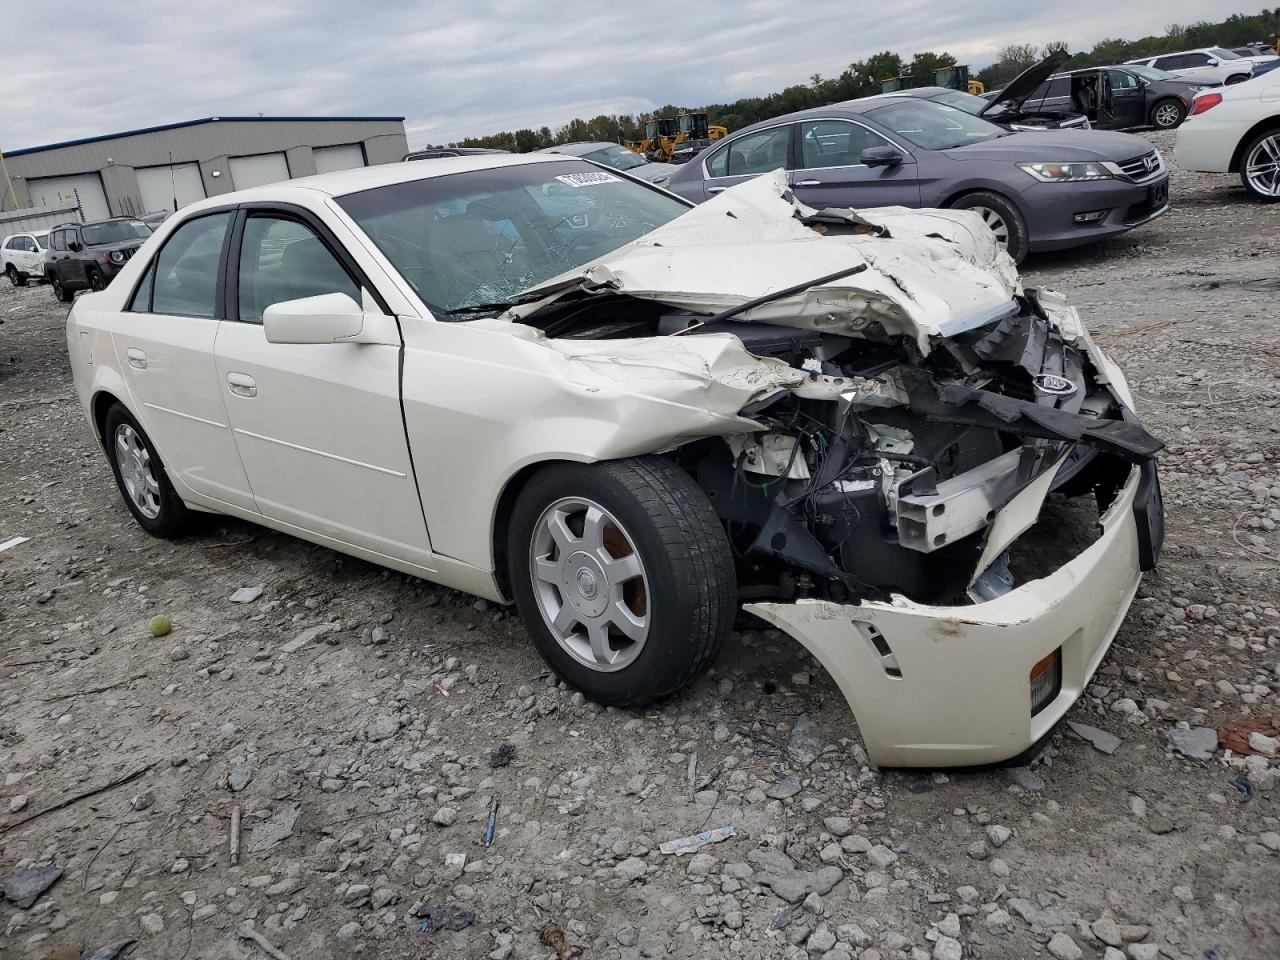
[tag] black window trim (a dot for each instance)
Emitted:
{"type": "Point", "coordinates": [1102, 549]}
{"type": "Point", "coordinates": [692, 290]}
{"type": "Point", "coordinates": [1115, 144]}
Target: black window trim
{"type": "Point", "coordinates": [219, 302]}
{"type": "Point", "coordinates": [285, 211]}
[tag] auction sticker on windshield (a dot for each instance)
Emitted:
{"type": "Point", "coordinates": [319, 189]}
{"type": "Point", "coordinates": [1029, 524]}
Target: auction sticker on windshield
{"type": "Point", "coordinates": [588, 179]}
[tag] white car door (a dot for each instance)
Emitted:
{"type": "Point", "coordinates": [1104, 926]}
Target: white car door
{"type": "Point", "coordinates": [319, 427]}
{"type": "Point", "coordinates": [164, 348]}
{"type": "Point", "coordinates": [30, 258]}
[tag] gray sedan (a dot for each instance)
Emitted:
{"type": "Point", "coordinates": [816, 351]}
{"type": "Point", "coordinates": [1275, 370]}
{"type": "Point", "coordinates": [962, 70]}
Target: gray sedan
{"type": "Point", "coordinates": [620, 158]}
{"type": "Point", "coordinates": [1036, 190]}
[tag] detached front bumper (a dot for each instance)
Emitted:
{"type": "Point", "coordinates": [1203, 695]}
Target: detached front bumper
{"type": "Point", "coordinates": [949, 686]}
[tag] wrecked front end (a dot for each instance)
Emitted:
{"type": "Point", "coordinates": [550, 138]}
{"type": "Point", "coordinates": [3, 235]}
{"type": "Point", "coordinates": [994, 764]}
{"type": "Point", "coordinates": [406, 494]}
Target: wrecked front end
{"type": "Point", "coordinates": [947, 498]}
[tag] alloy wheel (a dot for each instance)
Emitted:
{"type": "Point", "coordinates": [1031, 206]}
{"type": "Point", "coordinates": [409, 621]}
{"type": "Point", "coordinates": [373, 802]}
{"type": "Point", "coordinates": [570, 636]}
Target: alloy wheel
{"type": "Point", "coordinates": [1262, 166]}
{"type": "Point", "coordinates": [590, 584]}
{"type": "Point", "coordinates": [137, 472]}
{"type": "Point", "coordinates": [1166, 115]}
{"type": "Point", "coordinates": [996, 222]}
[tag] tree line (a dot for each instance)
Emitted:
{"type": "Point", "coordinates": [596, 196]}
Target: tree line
{"type": "Point", "coordinates": [864, 77]}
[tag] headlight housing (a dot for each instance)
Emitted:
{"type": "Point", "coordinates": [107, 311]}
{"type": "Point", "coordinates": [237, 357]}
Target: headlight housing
{"type": "Point", "coordinates": [1067, 172]}
{"type": "Point", "coordinates": [117, 256]}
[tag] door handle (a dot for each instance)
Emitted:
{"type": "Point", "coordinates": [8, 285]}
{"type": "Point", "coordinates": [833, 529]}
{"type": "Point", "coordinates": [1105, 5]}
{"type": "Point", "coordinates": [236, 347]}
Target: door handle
{"type": "Point", "coordinates": [242, 385]}
{"type": "Point", "coordinates": [716, 189]}
{"type": "Point", "coordinates": [808, 183]}
{"type": "Point", "coordinates": [137, 358]}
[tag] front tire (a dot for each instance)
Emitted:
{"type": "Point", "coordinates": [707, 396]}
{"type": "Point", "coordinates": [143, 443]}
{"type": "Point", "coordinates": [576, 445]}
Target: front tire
{"type": "Point", "coordinates": [1260, 166]}
{"type": "Point", "coordinates": [623, 576]}
{"type": "Point", "coordinates": [1002, 217]}
{"type": "Point", "coordinates": [141, 478]}
{"type": "Point", "coordinates": [1168, 113]}
{"type": "Point", "coordinates": [96, 280]}
{"type": "Point", "coordinates": [16, 277]}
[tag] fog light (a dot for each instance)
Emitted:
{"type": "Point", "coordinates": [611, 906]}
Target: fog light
{"type": "Point", "coordinates": [1046, 681]}
{"type": "Point", "coordinates": [1091, 216]}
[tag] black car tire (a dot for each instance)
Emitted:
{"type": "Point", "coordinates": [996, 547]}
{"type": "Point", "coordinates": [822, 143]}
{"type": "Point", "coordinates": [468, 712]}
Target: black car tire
{"type": "Point", "coordinates": [983, 201]}
{"type": "Point", "coordinates": [1164, 118]}
{"type": "Point", "coordinates": [1256, 190]}
{"type": "Point", "coordinates": [16, 276]}
{"type": "Point", "coordinates": [172, 517]}
{"type": "Point", "coordinates": [689, 596]}
{"type": "Point", "coordinates": [60, 293]}
{"type": "Point", "coordinates": [96, 280]}
{"type": "Point", "coordinates": [1235, 78]}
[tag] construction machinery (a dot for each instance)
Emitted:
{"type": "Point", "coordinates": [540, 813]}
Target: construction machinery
{"type": "Point", "coordinates": [659, 139]}
{"type": "Point", "coordinates": [673, 141]}
{"type": "Point", "coordinates": [953, 78]}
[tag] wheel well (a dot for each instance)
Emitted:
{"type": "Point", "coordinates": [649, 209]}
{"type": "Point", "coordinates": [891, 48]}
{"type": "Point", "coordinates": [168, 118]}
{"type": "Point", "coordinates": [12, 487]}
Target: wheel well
{"type": "Point", "coordinates": [502, 518]}
{"type": "Point", "coordinates": [1238, 156]}
{"type": "Point", "coordinates": [101, 403]}
{"type": "Point", "coordinates": [950, 201]}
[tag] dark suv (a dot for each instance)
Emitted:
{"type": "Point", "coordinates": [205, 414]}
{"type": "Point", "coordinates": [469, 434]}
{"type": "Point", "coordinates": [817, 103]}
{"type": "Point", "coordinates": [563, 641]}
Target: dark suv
{"type": "Point", "coordinates": [1116, 98]}
{"type": "Point", "coordinates": [85, 256]}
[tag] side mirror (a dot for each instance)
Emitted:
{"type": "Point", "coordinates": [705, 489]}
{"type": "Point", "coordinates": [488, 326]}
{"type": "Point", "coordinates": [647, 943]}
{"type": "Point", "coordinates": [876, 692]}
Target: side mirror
{"type": "Point", "coordinates": [74, 246]}
{"type": "Point", "coordinates": [328, 318]}
{"type": "Point", "coordinates": [1212, 61]}
{"type": "Point", "coordinates": [882, 156]}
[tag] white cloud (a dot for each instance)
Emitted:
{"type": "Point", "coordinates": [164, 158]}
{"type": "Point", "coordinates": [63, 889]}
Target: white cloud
{"type": "Point", "coordinates": [456, 68]}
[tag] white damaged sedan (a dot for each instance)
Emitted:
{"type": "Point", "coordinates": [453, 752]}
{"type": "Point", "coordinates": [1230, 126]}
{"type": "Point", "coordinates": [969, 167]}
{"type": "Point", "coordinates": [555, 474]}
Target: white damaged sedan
{"type": "Point", "coordinates": [537, 380]}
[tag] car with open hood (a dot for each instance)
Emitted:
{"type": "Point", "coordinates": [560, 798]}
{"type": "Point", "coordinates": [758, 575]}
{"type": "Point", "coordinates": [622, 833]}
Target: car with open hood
{"type": "Point", "coordinates": [627, 421]}
{"type": "Point", "coordinates": [1036, 190]}
{"type": "Point", "coordinates": [1010, 107]}
{"type": "Point", "coordinates": [1118, 97]}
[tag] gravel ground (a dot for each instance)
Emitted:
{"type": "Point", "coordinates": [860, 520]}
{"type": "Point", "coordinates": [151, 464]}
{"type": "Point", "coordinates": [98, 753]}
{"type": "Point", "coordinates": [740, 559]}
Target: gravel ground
{"type": "Point", "coordinates": [361, 758]}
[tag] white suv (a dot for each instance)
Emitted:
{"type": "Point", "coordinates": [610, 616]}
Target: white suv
{"type": "Point", "coordinates": [1208, 65]}
{"type": "Point", "coordinates": [22, 256]}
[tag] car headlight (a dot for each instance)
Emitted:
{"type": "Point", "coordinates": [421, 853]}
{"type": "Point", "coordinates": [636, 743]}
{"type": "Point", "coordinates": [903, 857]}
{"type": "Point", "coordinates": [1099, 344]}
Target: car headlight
{"type": "Point", "coordinates": [1067, 172]}
{"type": "Point", "coordinates": [117, 256]}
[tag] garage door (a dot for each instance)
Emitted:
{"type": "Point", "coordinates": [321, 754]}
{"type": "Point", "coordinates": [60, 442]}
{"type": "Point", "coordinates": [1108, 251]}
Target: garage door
{"type": "Point", "coordinates": [344, 157]}
{"type": "Point", "coordinates": [160, 186]}
{"type": "Point", "coordinates": [256, 170]}
{"type": "Point", "coordinates": [63, 191]}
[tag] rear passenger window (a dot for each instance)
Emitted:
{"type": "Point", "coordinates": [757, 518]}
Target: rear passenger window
{"type": "Point", "coordinates": [759, 152]}
{"type": "Point", "coordinates": [59, 240]}
{"type": "Point", "coordinates": [186, 280]}
{"type": "Point", "coordinates": [141, 302]}
{"type": "Point", "coordinates": [284, 260]}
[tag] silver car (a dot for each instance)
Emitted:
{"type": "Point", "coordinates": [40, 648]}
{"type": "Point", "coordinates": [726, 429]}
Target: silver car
{"type": "Point", "coordinates": [612, 155]}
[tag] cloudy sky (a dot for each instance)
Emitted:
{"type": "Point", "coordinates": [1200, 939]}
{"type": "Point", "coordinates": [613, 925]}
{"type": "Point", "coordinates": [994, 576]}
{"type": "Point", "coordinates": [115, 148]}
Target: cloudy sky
{"type": "Point", "coordinates": [457, 68]}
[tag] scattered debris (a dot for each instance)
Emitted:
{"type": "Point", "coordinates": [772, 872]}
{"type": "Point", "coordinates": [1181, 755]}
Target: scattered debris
{"type": "Point", "coordinates": [554, 938]}
{"type": "Point", "coordinates": [101, 689]}
{"type": "Point", "coordinates": [239, 778]}
{"type": "Point", "coordinates": [1026, 778]}
{"type": "Point", "coordinates": [804, 745]}
{"type": "Point", "coordinates": [13, 542]}
{"type": "Point", "coordinates": [776, 870]}
{"type": "Point", "coordinates": [492, 824]}
{"type": "Point", "coordinates": [783, 917]}
{"type": "Point", "coordinates": [76, 798]}
{"type": "Point", "coordinates": [502, 756]}
{"type": "Point", "coordinates": [1242, 784]}
{"type": "Point", "coordinates": [246, 932]}
{"type": "Point", "coordinates": [1195, 743]}
{"type": "Point", "coordinates": [682, 845]}
{"type": "Point", "coordinates": [277, 827]}
{"type": "Point", "coordinates": [1255, 736]}
{"type": "Point", "coordinates": [235, 835]}
{"type": "Point", "coordinates": [443, 916]}
{"type": "Point", "coordinates": [24, 887]}
{"type": "Point", "coordinates": [305, 637]}
{"type": "Point", "coordinates": [1102, 740]}
{"type": "Point", "coordinates": [788, 785]}
{"type": "Point", "coordinates": [247, 594]}
{"type": "Point", "coordinates": [160, 625]}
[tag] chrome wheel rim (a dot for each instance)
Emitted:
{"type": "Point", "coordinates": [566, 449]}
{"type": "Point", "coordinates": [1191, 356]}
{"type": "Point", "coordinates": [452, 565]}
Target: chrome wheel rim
{"type": "Point", "coordinates": [996, 222]}
{"type": "Point", "coordinates": [1166, 115]}
{"type": "Point", "coordinates": [590, 584]}
{"type": "Point", "coordinates": [137, 471]}
{"type": "Point", "coordinates": [1262, 166]}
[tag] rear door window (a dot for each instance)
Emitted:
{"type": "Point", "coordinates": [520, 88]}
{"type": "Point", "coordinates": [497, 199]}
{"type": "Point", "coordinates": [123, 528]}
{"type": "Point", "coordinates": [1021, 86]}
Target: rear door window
{"type": "Point", "coordinates": [754, 153]}
{"type": "Point", "coordinates": [186, 281]}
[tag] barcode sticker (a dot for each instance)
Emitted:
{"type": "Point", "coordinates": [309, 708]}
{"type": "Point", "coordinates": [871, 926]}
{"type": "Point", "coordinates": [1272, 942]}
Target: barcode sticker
{"type": "Point", "coordinates": [588, 179]}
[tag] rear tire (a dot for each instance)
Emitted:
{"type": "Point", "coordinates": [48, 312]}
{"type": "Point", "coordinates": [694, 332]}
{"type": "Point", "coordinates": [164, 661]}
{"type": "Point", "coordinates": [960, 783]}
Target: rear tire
{"type": "Point", "coordinates": [60, 293]}
{"type": "Point", "coordinates": [1002, 217]}
{"type": "Point", "coordinates": [141, 477]}
{"type": "Point", "coordinates": [96, 280]}
{"type": "Point", "coordinates": [1237, 78]}
{"type": "Point", "coordinates": [16, 277]}
{"type": "Point", "coordinates": [1168, 113]}
{"type": "Point", "coordinates": [1260, 166]}
{"type": "Point", "coordinates": [623, 576]}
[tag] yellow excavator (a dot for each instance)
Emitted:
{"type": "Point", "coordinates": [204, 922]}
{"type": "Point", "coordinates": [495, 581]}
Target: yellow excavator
{"type": "Point", "coordinates": [953, 78]}
{"type": "Point", "coordinates": [674, 141]}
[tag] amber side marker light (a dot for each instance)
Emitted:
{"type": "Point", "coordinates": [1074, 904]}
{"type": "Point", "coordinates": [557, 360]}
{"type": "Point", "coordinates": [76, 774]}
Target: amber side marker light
{"type": "Point", "coordinates": [1046, 681]}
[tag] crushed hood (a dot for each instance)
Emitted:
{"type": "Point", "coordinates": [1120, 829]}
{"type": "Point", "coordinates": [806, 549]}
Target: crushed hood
{"type": "Point", "coordinates": [928, 272]}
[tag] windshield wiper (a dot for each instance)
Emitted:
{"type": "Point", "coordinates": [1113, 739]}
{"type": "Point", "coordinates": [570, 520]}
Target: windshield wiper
{"type": "Point", "coordinates": [499, 305]}
{"type": "Point", "coordinates": [770, 298]}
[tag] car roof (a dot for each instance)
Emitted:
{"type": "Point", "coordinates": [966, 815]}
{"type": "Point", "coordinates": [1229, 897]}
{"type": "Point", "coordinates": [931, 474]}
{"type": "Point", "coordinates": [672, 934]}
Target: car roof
{"type": "Point", "coordinates": [923, 93]}
{"type": "Point", "coordinates": [578, 149]}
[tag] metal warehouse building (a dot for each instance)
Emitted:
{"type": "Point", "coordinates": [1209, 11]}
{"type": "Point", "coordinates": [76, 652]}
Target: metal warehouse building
{"type": "Point", "coordinates": [166, 167]}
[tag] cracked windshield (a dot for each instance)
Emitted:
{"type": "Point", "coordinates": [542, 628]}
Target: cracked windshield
{"type": "Point", "coordinates": [467, 240]}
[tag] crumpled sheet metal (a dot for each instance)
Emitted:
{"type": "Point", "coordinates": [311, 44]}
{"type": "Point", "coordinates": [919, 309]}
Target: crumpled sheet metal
{"type": "Point", "coordinates": [749, 241]}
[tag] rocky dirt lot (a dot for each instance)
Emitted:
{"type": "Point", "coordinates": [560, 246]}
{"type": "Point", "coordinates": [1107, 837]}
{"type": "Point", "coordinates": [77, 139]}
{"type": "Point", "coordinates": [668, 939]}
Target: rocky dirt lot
{"type": "Point", "coordinates": [352, 715]}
